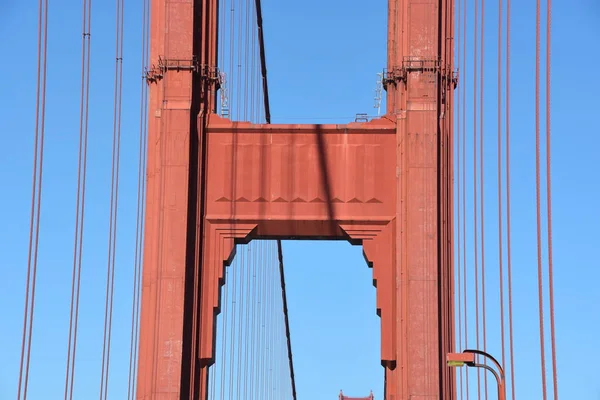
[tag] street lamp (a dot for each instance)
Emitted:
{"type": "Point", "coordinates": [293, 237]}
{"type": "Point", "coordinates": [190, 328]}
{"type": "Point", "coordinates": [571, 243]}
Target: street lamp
{"type": "Point", "coordinates": [467, 357]}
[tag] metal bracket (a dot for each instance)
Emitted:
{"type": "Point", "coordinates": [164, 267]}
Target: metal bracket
{"type": "Point", "coordinates": [157, 71]}
{"type": "Point", "coordinates": [409, 64]}
{"type": "Point", "coordinates": [450, 77]}
{"type": "Point", "coordinates": [417, 64]}
{"type": "Point", "coordinates": [393, 76]}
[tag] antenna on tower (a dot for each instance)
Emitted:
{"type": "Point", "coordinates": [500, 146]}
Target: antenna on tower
{"type": "Point", "coordinates": [224, 96]}
{"type": "Point", "coordinates": [378, 93]}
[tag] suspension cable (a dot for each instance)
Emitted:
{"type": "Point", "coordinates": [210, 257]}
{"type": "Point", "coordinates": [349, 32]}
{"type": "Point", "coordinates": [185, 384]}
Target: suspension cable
{"type": "Point", "coordinates": [464, 180]}
{"type": "Point", "coordinates": [286, 318]}
{"type": "Point", "coordinates": [271, 325]}
{"type": "Point", "coordinates": [500, 206]}
{"type": "Point", "coordinates": [475, 226]}
{"type": "Point", "coordinates": [538, 196]}
{"type": "Point", "coordinates": [459, 193]}
{"type": "Point", "coordinates": [263, 62]}
{"type": "Point", "coordinates": [114, 200]}
{"type": "Point", "coordinates": [508, 210]}
{"type": "Point", "coordinates": [264, 320]}
{"type": "Point", "coordinates": [224, 336]}
{"type": "Point", "coordinates": [139, 239]}
{"type": "Point", "coordinates": [267, 110]}
{"type": "Point", "coordinates": [247, 65]}
{"type": "Point", "coordinates": [482, 187]}
{"type": "Point", "coordinates": [36, 199]}
{"type": "Point", "coordinates": [549, 197]}
{"type": "Point", "coordinates": [234, 328]}
{"type": "Point", "coordinates": [257, 257]}
{"type": "Point", "coordinates": [239, 62]}
{"type": "Point", "coordinates": [249, 303]}
{"type": "Point", "coordinates": [80, 202]}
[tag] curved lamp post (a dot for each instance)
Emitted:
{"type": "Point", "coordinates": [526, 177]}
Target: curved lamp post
{"type": "Point", "coordinates": [467, 357]}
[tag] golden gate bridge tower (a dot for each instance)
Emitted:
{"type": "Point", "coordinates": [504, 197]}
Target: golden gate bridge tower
{"type": "Point", "coordinates": [220, 187]}
{"type": "Point", "coordinates": [213, 182]}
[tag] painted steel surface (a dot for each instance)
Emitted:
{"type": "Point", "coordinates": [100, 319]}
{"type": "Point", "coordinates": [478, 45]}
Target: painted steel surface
{"type": "Point", "coordinates": [385, 184]}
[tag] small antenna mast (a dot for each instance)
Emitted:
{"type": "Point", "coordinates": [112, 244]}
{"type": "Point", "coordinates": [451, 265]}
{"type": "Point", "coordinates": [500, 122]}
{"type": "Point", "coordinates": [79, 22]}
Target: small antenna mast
{"type": "Point", "coordinates": [224, 95]}
{"type": "Point", "coordinates": [378, 93]}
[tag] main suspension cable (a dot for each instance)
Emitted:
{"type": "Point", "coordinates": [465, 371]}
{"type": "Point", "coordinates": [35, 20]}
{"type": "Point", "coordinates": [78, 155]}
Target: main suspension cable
{"type": "Point", "coordinates": [263, 61]}
{"type": "Point", "coordinates": [286, 318]}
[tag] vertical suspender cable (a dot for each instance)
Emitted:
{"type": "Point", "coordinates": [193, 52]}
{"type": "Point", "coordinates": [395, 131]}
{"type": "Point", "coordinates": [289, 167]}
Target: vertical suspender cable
{"type": "Point", "coordinates": [241, 300]}
{"type": "Point", "coordinates": [248, 302]}
{"type": "Point", "coordinates": [253, 297]}
{"type": "Point", "coordinates": [247, 65]}
{"type": "Point", "coordinates": [224, 335]}
{"type": "Point", "coordinates": [139, 240]}
{"type": "Point", "coordinates": [235, 27]}
{"type": "Point", "coordinates": [221, 39]}
{"type": "Point", "coordinates": [36, 199]}
{"type": "Point", "coordinates": [260, 326]}
{"type": "Point", "coordinates": [459, 193]}
{"type": "Point", "coordinates": [475, 231]}
{"type": "Point", "coordinates": [231, 56]}
{"type": "Point", "coordinates": [114, 200]}
{"type": "Point", "coordinates": [267, 110]}
{"type": "Point", "coordinates": [482, 188]}
{"type": "Point", "coordinates": [270, 325]}
{"type": "Point", "coordinates": [508, 212]}
{"type": "Point", "coordinates": [500, 206]}
{"type": "Point", "coordinates": [464, 180]}
{"type": "Point", "coordinates": [549, 198]}
{"type": "Point", "coordinates": [239, 78]}
{"type": "Point", "coordinates": [275, 324]}
{"type": "Point", "coordinates": [538, 196]}
{"type": "Point", "coordinates": [80, 202]}
{"type": "Point", "coordinates": [259, 110]}
{"type": "Point", "coordinates": [244, 323]}
{"type": "Point", "coordinates": [253, 77]}
{"type": "Point", "coordinates": [228, 279]}
{"type": "Point", "coordinates": [234, 308]}
{"type": "Point", "coordinates": [263, 323]}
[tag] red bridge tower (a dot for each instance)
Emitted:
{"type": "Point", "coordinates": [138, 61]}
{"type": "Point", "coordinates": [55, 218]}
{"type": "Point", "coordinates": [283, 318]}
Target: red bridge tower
{"type": "Point", "coordinates": [384, 184]}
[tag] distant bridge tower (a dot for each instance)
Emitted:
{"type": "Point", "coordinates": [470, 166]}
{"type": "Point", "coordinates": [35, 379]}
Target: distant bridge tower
{"type": "Point", "coordinates": [369, 397]}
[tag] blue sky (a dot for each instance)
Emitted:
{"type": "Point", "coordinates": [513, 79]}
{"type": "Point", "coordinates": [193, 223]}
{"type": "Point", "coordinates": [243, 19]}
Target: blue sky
{"type": "Point", "coordinates": [323, 57]}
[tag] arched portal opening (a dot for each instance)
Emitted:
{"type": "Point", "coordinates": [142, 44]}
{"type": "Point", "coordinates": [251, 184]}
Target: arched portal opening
{"type": "Point", "coordinates": [335, 332]}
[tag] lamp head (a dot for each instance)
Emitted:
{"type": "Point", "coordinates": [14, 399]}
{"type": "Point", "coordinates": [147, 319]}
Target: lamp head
{"type": "Point", "coordinates": [460, 359]}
